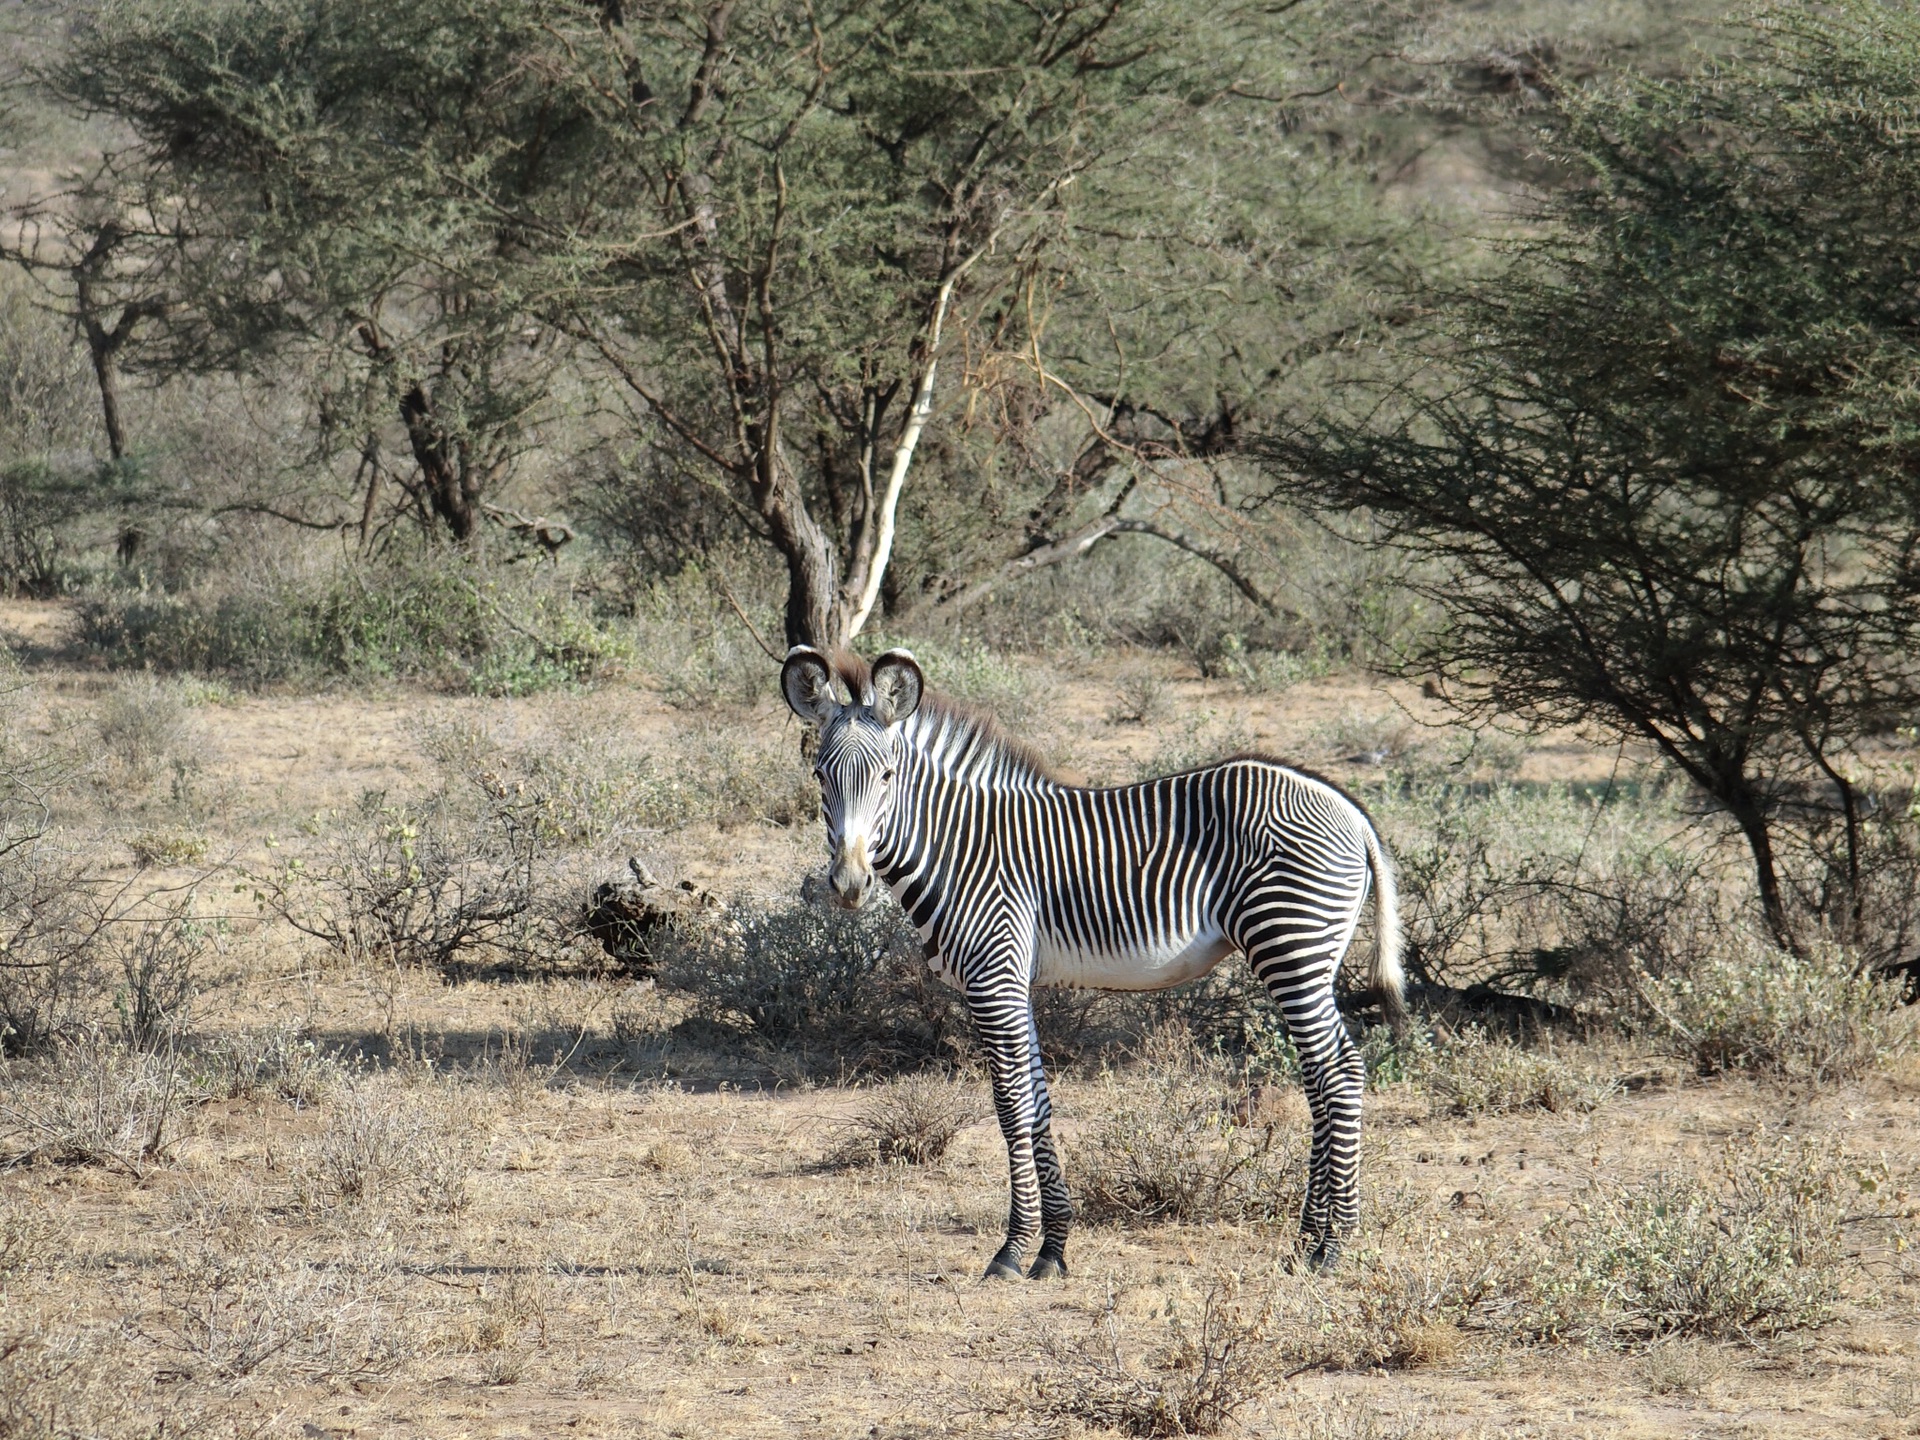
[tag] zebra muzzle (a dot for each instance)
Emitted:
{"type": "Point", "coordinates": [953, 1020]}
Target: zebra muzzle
{"type": "Point", "coordinates": [851, 878]}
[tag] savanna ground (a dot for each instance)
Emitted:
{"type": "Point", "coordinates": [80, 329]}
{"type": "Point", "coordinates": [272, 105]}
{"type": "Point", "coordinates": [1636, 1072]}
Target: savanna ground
{"type": "Point", "coordinates": [342, 1194]}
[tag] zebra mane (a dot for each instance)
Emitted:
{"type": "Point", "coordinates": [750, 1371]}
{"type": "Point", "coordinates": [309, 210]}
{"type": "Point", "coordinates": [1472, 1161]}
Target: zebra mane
{"type": "Point", "coordinates": [971, 738]}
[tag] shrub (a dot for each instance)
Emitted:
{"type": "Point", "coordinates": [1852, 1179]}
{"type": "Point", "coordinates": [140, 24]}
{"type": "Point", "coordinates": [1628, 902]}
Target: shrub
{"type": "Point", "coordinates": [157, 959]}
{"type": "Point", "coordinates": [100, 1104]}
{"type": "Point", "coordinates": [1756, 1252]}
{"type": "Point", "coordinates": [50, 983]}
{"type": "Point", "coordinates": [852, 986]}
{"type": "Point", "coordinates": [1195, 1385]}
{"type": "Point", "coordinates": [1167, 1148]}
{"type": "Point", "coordinates": [1474, 1073]}
{"type": "Point", "coordinates": [440, 618]}
{"type": "Point", "coordinates": [427, 884]}
{"type": "Point", "coordinates": [913, 1119]}
{"type": "Point", "coordinates": [417, 1144]}
{"type": "Point", "coordinates": [282, 1061]}
{"type": "Point", "coordinates": [1750, 1006]}
{"type": "Point", "coordinates": [142, 722]}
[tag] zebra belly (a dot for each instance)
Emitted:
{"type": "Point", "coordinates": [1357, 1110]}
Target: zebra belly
{"type": "Point", "coordinates": [1062, 964]}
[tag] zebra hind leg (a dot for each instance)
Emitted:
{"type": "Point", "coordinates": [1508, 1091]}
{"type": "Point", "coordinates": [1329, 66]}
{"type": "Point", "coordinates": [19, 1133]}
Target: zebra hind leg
{"type": "Point", "coordinates": [1300, 982]}
{"type": "Point", "coordinates": [1335, 1079]}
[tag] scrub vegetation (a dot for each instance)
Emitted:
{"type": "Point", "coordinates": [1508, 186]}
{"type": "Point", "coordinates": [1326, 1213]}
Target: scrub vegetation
{"type": "Point", "coordinates": [421, 429]}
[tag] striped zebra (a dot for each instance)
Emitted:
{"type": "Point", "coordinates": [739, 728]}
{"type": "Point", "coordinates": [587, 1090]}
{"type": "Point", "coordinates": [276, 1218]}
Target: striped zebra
{"type": "Point", "coordinates": [1015, 879]}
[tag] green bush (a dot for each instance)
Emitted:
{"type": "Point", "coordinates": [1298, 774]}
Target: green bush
{"type": "Point", "coordinates": [1474, 1073]}
{"type": "Point", "coordinates": [1755, 1252]}
{"type": "Point", "coordinates": [441, 619]}
{"type": "Point", "coordinates": [1751, 1006]}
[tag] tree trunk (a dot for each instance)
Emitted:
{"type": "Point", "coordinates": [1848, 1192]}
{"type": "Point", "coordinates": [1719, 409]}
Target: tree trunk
{"type": "Point", "coordinates": [814, 615]}
{"type": "Point", "coordinates": [100, 346]}
{"type": "Point", "coordinates": [1750, 816]}
{"type": "Point", "coordinates": [449, 490]}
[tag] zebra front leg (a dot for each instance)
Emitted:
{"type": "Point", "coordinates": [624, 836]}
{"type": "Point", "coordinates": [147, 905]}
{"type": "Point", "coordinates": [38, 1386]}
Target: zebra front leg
{"type": "Point", "coordinates": [1056, 1208]}
{"type": "Point", "coordinates": [1004, 1025]}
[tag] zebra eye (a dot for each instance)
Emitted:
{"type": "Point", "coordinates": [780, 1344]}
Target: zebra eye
{"type": "Point", "coordinates": [886, 777]}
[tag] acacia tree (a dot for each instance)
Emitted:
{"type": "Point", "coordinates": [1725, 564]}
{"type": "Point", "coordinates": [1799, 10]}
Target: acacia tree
{"type": "Point", "coordinates": [1671, 457]}
{"type": "Point", "coordinates": [811, 228]}
{"type": "Point", "coordinates": [328, 179]}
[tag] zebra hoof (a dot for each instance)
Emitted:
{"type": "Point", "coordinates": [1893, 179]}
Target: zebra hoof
{"type": "Point", "coordinates": [1049, 1267]}
{"type": "Point", "coordinates": [1001, 1269]}
{"type": "Point", "coordinates": [1325, 1257]}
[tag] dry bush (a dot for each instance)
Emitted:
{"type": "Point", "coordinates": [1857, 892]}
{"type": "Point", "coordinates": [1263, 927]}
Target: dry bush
{"type": "Point", "coordinates": [1751, 1251]}
{"type": "Point", "coordinates": [62, 1384]}
{"type": "Point", "coordinates": [144, 724]}
{"type": "Point", "coordinates": [159, 960]}
{"type": "Point", "coordinates": [237, 1304]}
{"type": "Point", "coordinates": [1194, 1385]}
{"type": "Point", "coordinates": [279, 1060]}
{"type": "Point", "coordinates": [31, 1236]}
{"type": "Point", "coordinates": [913, 1119]}
{"type": "Point", "coordinates": [432, 884]}
{"type": "Point", "coordinates": [413, 1144]}
{"type": "Point", "coordinates": [1140, 698]}
{"type": "Point", "coordinates": [1404, 1308]}
{"type": "Point", "coordinates": [844, 986]}
{"type": "Point", "coordinates": [98, 1103]}
{"type": "Point", "coordinates": [1474, 1073]}
{"type": "Point", "coordinates": [1167, 1148]}
{"type": "Point", "coordinates": [51, 985]}
{"type": "Point", "coordinates": [1750, 1006]}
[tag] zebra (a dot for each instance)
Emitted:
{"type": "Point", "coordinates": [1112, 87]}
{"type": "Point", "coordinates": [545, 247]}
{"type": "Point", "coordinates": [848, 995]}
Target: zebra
{"type": "Point", "coordinates": [1016, 879]}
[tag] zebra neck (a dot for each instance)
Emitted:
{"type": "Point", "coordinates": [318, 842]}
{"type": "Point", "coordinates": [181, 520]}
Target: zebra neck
{"type": "Point", "coordinates": [953, 780]}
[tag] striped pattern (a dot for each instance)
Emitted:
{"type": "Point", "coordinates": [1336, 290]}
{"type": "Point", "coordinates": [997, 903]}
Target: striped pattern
{"type": "Point", "coordinates": [1015, 879]}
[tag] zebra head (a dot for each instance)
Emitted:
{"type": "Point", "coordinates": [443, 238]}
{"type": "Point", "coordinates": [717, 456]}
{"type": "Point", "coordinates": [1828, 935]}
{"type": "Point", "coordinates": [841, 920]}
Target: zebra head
{"type": "Point", "coordinates": [859, 754]}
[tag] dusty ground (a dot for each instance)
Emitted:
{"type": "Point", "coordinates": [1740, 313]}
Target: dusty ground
{"type": "Point", "coordinates": [646, 1247]}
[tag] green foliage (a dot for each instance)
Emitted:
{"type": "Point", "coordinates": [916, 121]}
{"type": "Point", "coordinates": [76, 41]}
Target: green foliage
{"type": "Point", "coordinates": [1755, 1251]}
{"type": "Point", "coordinates": [1750, 1006]}
{"type": "Point", "coordinates": [440, 619]}
{"type": "Point", "coordinates": [1663, 461]}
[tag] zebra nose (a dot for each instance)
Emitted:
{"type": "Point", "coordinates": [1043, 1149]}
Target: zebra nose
{"type": "Point", "coordinates": [851, 886]}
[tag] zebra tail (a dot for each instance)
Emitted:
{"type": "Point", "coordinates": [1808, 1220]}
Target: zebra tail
{"type": "Point", "coordinates": [1389, 979]}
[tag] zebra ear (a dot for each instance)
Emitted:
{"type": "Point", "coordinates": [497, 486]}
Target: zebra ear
{"type": "Point", "coordinates": [897, 686]}
{"type": "Point", "coordinates": [807, 682]}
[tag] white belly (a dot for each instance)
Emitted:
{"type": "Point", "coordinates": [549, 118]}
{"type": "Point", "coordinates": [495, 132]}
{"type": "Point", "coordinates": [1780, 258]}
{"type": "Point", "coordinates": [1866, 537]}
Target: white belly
{"type": "Point", "coordinates": [1181, 959]}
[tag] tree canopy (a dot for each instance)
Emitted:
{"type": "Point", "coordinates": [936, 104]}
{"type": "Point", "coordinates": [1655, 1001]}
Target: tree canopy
{"type": "Point", "coordinates": [1670, 457]}
{"type": "Point", "coordinates": [766, 244]}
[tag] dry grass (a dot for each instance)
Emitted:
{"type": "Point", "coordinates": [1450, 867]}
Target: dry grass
{"type": "Point", "coordinates": [390, 1204]}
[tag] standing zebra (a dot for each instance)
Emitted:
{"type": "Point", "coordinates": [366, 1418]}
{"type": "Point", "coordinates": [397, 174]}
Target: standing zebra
{"type": "Point", "coordinates": [1015, 879]}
